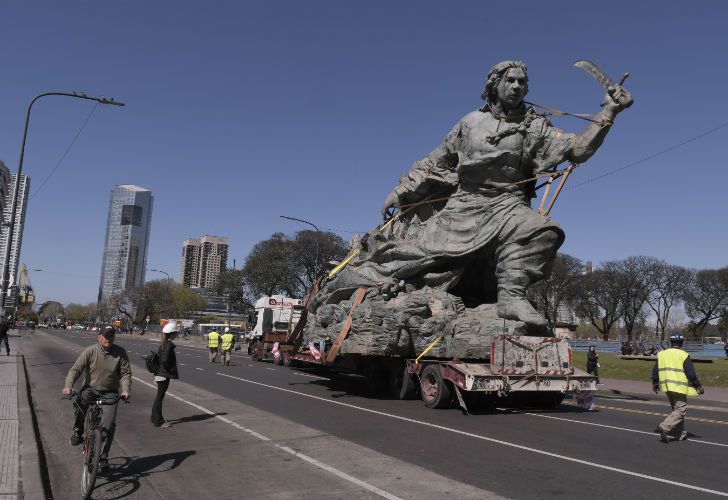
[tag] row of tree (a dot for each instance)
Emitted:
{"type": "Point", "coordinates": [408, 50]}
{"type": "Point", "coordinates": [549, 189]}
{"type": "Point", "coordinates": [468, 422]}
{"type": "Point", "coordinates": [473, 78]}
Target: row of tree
{"type": "Point", "coordinates": [626, 292]}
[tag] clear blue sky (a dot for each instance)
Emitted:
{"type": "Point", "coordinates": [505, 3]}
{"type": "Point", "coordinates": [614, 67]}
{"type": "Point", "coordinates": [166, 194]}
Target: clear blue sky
{"type": "Point", "coordinates": [238, 112]}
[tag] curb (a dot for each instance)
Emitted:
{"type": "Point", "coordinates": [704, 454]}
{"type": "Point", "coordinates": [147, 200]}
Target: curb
{"type": "Point", "coordinates": [33, 481]}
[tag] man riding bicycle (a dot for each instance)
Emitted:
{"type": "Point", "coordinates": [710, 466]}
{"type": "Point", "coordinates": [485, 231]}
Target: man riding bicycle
{"type": "Point", "coordinates": [107, 371]}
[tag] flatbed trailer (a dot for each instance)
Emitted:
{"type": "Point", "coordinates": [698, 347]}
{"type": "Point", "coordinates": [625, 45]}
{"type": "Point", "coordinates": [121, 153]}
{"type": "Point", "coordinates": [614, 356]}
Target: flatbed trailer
{"type": "Point", "coordinates": [535, 371]}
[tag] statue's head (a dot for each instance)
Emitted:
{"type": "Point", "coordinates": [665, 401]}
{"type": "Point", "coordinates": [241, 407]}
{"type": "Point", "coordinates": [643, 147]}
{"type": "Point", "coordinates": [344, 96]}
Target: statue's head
{"type": "Point", "coordinates": [507, 82]}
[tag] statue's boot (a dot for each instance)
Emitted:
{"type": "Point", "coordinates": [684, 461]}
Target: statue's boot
{"type": "Point", "coordinates": [512, 302]}
{"type": "Point", "coordinates": [520, 309]}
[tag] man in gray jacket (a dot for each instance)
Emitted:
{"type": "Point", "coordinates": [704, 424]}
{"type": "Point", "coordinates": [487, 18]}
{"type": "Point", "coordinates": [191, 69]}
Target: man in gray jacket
{"type": "Point", "coordinates": [107, 371]}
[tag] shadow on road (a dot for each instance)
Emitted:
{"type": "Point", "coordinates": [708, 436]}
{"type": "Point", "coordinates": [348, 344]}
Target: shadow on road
{"type": "Point", "coordinates": [195, 418]}
{"type": "Point", "coordinates": [126, 473]}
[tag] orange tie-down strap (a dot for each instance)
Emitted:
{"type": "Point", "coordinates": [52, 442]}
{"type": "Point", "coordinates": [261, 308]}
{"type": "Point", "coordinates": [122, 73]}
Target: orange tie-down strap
{"type": "Point", "coordinates": [346, 326]}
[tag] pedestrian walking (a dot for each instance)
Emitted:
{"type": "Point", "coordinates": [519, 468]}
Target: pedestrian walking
{"type": "Point", "coordinates": [226, 346]}
{"type": "Point", "coordinates": [4, 331]}
{"type": "Point", "coordinates": [592, 362]}
{"type": "Point", "coordinates": [213, 344]}
{"type": "Point", "coordinates": [675, 375]}
{"type": "Point", "coordinates": [167, 371]}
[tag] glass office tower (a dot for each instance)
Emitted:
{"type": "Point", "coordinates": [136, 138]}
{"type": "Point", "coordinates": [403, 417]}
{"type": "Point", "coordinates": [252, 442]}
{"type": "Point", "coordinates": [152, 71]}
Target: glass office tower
{"type": "Point", "coordinates": [127, 237]}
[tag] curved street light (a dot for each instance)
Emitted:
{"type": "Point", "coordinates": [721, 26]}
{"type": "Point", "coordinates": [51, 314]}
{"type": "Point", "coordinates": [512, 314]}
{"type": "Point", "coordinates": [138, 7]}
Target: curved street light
{"type": "Point", "coordinates": [160, 271]}
{"type": "Point", "coordinates": [318, 268]}
{"type": "Point", "coordinates": [11, 223]}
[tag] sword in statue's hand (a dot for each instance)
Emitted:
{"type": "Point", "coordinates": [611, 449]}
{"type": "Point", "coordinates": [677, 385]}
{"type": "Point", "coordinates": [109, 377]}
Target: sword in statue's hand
{"type": "Point", "coordinates": [613, 89]}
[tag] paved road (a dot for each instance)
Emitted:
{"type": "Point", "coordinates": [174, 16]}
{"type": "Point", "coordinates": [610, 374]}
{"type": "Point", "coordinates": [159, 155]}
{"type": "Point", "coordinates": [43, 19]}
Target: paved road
{"type": "Point", "coordinates": [400, 449]}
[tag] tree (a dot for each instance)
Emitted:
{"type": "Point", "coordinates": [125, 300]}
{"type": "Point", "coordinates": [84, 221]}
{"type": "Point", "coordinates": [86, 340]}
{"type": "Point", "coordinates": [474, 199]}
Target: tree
{"type": "Point", "coordinates": [268, 268]}
{"type": "Point", "coordinates": [599, 300]}
{"type": "Point", "coordinates": [152, 300]}
{"type": "Point", "coordinates": [559, 290]}
{"type": "Point", "coordinates": [185, 301]}
{"type": "Point", "coordinates": [51, 311]}
{"type": "Point", "coordinates": [706, 297]}
{"type": "Point", "coordinates": [311, 250]}
{"type": "Point", "coordinates": [669, 283]}
{"type": "Point", "coordinates": [231, 285]}
{"type": "Point", "coordinates": [78, 312]}
{"type": "Point", "coordinates": [636, 282]}
{"type": "Point", "coordinates": [290, 265]}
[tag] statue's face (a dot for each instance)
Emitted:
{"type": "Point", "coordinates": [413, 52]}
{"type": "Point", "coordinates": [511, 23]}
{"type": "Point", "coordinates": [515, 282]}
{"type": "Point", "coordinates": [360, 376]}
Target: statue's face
{"type": "Point", "coordinates": [512, 88]}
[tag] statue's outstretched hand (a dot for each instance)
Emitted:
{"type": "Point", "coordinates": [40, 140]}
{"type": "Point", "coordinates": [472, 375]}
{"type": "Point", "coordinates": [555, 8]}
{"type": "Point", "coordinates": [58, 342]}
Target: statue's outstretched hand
{"type": "Point", "coordinates": [390, 203]}
{"type": "Point", "coordinates": [617, 99]}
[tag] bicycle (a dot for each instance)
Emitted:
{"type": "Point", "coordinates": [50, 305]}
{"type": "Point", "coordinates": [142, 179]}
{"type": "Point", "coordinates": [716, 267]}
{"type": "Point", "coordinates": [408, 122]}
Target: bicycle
{"type": "Point", "coordinates": [94, 438]}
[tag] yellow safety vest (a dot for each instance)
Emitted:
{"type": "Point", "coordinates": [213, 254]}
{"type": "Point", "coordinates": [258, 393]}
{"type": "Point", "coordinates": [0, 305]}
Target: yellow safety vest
{"type": "Point", "coordinates": [671, 373]}
{"type": "Point", "coordinates": [227, 341]}
{"type": "Point", "coordinates": [213, 339]}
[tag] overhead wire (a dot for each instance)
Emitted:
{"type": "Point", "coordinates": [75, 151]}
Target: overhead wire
{"type": "Point", "coordinates": [68, 149]}
{"type": "Point", "coordinates": [616, 170]}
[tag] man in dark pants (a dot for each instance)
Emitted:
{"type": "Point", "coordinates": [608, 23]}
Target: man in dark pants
{"type": "Point", "coordinates": [675, 375]}
{"type": "Point", "coordinates": [107, 371]}
{"type": "Point", "coordinates": [4, 330]}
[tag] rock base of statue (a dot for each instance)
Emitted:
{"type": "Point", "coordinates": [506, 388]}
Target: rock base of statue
{"type": "Point", "coordinates": [406, 324]}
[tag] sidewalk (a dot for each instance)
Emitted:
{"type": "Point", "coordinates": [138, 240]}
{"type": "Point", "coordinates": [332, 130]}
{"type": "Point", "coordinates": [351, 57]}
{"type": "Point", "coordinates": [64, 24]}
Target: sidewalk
{"type": "Point", "coordinates": [19, 465]}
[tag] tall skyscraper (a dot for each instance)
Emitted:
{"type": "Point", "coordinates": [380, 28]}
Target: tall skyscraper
{"type": "Point", "coordinates": [127, 237]}
{"type": "Point", "coordinates": [18, 225]}
{"type": "Point", "coordinates": [202, 261]}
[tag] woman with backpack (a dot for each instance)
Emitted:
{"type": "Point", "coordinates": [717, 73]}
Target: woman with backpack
{"type": "Point", "coordinates": [167, 370]}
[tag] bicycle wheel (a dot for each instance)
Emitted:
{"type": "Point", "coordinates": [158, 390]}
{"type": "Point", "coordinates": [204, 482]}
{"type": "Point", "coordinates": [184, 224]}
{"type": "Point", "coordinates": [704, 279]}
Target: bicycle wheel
{"type": "Point", "coordinates": [91, 456]}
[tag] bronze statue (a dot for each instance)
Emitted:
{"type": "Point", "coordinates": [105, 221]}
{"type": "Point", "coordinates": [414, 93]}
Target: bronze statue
{"type": "Point", "coordinates": [466, 236]}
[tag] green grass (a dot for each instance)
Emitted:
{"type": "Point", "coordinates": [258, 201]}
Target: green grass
{"type": "Point", "coordinates": [713, 374]}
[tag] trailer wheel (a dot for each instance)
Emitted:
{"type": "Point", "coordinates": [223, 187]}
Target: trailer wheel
{"type": "Point", "coordinates": [436, 393]}
{"type": "Point", "coordinates": [402, 385]}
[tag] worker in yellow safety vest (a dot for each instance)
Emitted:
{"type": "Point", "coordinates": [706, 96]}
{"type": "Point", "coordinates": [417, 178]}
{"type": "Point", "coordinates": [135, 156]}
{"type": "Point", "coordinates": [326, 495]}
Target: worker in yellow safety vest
{"type": "Point", "coordinates": [227, 343]}
{"type": "Point", "coordinates": [675, 375]}
{"type": "Point", "coordinates": [213, 344]}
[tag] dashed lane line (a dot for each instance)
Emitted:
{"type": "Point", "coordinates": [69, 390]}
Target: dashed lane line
{"type": "Point", "coordinates": [201, 369]}
{"type": "Point", "coordinates": [489, 439]}
{"type": "Point", "coordinates": [306, 458]}
{"type": "Point", "coordinates": [657, 414]}
{"type": "Point", "coordinates": [551, 417]}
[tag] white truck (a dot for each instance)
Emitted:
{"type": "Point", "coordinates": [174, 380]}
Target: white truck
{"type": "Point", "coordinates": [275, 318]}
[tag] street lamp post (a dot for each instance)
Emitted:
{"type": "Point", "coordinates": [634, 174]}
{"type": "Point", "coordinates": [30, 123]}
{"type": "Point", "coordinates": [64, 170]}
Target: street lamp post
{"type": "Point", "coordinates": [11, 223]}
{"type": "Point", "coordinates": [317, 268]}
{"type": "Point", "coordinates": [160, 271]}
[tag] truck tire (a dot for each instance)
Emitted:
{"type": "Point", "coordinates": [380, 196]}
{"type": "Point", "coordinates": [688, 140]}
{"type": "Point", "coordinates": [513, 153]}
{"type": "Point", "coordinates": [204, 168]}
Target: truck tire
{"type": "Point", "coordinates": [402, 385]}
{"type": "Point", "coordinates": [375, 376]}
{"type": "Point", "coordinates": [436, 391]}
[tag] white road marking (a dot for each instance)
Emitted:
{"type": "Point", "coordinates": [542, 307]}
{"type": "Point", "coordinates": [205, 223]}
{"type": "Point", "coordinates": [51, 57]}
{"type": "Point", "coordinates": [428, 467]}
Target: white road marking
{"type": "Point", "coordinates": [201, 369]}
{"type": "Point", "coordinates": [271, 369]}
{"type": "Point", "coordinates": [619, 428]}
{"type": "Point", "coordinates": [309, 376]}
{"type": "Point", "coordinates": [182, 364]}
{"type": "Point", "coordinates": [489, 439]}
{"type": "Point", "coordinates": [306, 458]}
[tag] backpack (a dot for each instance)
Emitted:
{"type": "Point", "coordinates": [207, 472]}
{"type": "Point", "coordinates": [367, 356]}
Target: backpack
{"type": "Point", "coordinates": [152, 362]}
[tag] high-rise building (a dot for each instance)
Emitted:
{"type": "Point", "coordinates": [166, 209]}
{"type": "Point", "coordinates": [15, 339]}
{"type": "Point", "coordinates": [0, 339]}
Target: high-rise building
{"type": "Point", "coordinates": [202, 261]}
{"type": "Point", "coordinates": [127, 237]}
{"type": "Point", "coordinates": [18, 224]}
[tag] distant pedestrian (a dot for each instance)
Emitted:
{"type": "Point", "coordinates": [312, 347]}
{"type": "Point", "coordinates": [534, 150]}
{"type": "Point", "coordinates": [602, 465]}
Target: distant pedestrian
{"type": "Point", "coordinates": [227, 342]}
{"type": "Point", "coordinates": [592, 362]}
{"type": "Point", "coordinates": [4, 330]}
{"type": "Point", "coordinates": [674, 373]}
{"type": "Point", "coordinates": [213, 344]}
{"type": "Point", "coordinates": [167, 370]}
